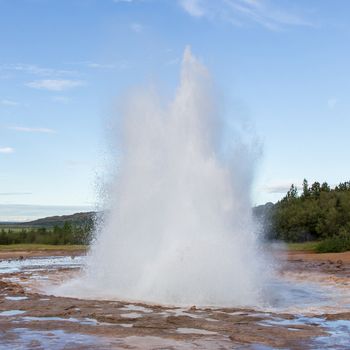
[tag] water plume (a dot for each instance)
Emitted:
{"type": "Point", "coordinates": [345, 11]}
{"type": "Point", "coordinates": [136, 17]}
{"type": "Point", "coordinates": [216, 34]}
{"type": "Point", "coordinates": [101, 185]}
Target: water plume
{"type": "Point", "coordinates": [179, 229]}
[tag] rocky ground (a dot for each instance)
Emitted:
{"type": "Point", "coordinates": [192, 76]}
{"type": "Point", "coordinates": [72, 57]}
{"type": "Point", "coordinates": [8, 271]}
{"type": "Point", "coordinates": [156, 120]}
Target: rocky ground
{"type": "Point", "coordinates": [33, 320]}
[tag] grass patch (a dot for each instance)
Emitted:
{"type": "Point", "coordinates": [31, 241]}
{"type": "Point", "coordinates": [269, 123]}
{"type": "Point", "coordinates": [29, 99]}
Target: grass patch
{"type": "Point", "coordinates": [29, 246]}
{"type": "Point", "coordinates": [303, 246]}
{"type": "Point", "coordinates": [335, 244]}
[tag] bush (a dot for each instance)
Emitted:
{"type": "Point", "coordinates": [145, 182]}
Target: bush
{"type": "Point", "coordinates": [335, 244]}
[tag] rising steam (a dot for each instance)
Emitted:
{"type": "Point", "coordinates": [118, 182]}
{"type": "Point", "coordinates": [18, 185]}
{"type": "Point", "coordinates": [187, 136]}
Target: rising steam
{"type": "Point", "coordinates": [180, 229]}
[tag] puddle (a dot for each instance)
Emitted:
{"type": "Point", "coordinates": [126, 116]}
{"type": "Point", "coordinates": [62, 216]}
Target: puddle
{"type": "Point", "coordinates": [11, 312]}
{"type": "Point", "coordinates": [131, 315]}
{"type": "Point", "coordinates": [24, 338]}
{"type": "Point", "coordinates": [153, 342]}
{"type": "Point", "coordinates": [132, 307]}
{"type": "Point", "coordinates": [40, 264]}
{"type": "Point", "coordinates": [59, 340]}
{"type": "Point", "coordinates": [194, 331]}
{"type": "Point", "coordinates": [259, 347]}
{"type": "Point", "coordinates": [15, 298]}
{"type": "Point", "coordinates": [181, 312]}
{"type": "Point", "coordinates": [302, 320]}
{"type": "Point", "coordinates": [305, 297]}
{"type": "Point", "coordinates": [338, 336]}
{"type": "Point", "coordinates": [84, 321]}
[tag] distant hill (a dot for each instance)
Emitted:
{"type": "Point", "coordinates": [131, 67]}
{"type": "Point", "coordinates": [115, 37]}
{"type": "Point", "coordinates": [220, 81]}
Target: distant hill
{"type": "Point", "coordinates": [76, 219]}
{"type": "Point", "coordinates": [261, 213]}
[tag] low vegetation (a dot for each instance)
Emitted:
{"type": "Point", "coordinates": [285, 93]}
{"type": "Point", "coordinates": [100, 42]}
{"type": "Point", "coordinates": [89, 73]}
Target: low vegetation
{"type": "Point", "coordinates": [68, 233]}
{"type": "Point", "coordinates": [40, 247]}
{"type": "Point", "coordinates": [340, 243]}
{"type": "Point", "coordinates": [303, 246]}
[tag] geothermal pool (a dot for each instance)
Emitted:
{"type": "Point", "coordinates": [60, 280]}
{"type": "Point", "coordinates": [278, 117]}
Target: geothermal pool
{"type": "Point", "coordinates": [309, 309]}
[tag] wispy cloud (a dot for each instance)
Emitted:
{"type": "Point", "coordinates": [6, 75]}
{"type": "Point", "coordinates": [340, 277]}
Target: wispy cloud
{"type": "Point", "coordinates": [14, 193]}
{"type": "Point", "coordinates": [173, 61]}
{"type": "Point", "coordinates": [9, 103]}
{"type": "Point", "coordinates": [103, 66]}
{"type": "Point", "coordinates": [100, 65]}
{"type": "Point", "coordinates": [26, 212]}
{"type": "Point", "coordinates": [266, 13]}
{"type": "Point", "coordinates": [136, 27]}
{"type": "Point", "coordinates": [195, 8]}
{"type": "Point", "coordinates": [6, 150]}
{"type": "Point", "coordinates": [55, 84]}
{"type": "Point", "coordinates": [121, 1]}
{"type": "Point", "coordinates": [332, 102]}
{"type": "Point", "coordinates": [61, 99]}
{"type": "Point", "coordinates": [27, 129]}
{"type": "Point", "coordinates": [35, 69]}
{"type": "Point", "coordinates": [280, 186]}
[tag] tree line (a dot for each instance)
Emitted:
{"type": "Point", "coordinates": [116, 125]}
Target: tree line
{"type": "Point", "coordinates": [67, 233]}
{"type": "Point", "coordinates": [318, 212]}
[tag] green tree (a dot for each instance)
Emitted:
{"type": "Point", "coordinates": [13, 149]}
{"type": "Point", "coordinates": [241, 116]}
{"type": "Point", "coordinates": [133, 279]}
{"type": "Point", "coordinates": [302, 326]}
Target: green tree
{"type": "Point", "coordinates": [306, 190]}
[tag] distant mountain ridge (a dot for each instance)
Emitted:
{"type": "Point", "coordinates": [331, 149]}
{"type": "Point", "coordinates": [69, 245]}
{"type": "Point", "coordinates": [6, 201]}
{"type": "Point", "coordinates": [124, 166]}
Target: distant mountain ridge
{"type": "Point", "coordinates": [260, 212]}
{"type": "Point", "coordinates": [76, 219]}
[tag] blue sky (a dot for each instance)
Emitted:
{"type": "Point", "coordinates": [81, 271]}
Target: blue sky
{"type": "Point", "coordinates": [282, 65]}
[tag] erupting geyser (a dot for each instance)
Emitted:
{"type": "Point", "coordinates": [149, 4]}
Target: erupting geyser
{"type": "Point", "coordinates": [179, 229]}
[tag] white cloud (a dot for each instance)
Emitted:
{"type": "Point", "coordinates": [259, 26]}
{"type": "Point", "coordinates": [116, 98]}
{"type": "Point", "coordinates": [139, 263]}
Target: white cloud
{"type": "Point", "coordinates": [266, 13]}
{"type": "Point", "coordinates": [26, 129]}
{"type": "Point", "coordinates": [136, 27]}
{"type": "Point", "coordinates": [100, 65]}
{"type": "Point", "coordinates": [193, 7]}
{"type": "Point", "coordinates": [26, 212]}
{"type": "Point", "coordinates": [35, 69]}
{"type": "Point", "coordinates": [9, 103]}
{"type": "Point", "coordinates": [14, 193]}
{"type": "Point", "coordinates": [332, 102]}
{"type": "Point", "coordinates": [6, 150]}
{"type": "Point", "coordinates": [103, 66]}
{"type": "Point", "coordinates": [120, 1]}
{"type": "Point", "coordinates": [55, 84]}
{"type": "Point", "coordinates": [280, 186]}
{"type": "Point", "coordinates": [173, 61]}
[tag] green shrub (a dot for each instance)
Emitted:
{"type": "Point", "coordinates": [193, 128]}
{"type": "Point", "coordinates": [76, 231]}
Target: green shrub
{"type": "Point", "coordinates": [339, 243]}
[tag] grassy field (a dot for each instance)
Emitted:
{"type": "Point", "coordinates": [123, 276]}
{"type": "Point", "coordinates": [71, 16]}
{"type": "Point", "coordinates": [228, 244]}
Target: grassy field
{"type": "Point", "coordinates": [331, 245]}
{"type": "Point", "coordinates": [304, 246]}
{"type": "Point", "coordinates": [27, 246]}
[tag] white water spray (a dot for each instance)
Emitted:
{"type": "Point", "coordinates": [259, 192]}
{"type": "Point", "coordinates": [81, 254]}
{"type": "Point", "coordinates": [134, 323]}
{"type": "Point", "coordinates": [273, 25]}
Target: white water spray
{"type": "Point", "coordinates": [180, 229]}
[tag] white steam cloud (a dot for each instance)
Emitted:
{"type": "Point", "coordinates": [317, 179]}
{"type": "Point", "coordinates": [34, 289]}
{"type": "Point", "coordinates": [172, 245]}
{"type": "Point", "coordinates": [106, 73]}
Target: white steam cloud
{"type": "Point", "coordinates": [180, 229]}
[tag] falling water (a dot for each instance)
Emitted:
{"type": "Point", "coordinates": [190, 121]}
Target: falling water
{"type": "Point", "coordinates": [179, 230]}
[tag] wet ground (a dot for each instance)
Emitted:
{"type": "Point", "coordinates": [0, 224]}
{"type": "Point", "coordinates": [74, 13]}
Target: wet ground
{"type": "Point", "coordinates": [313, 312]}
